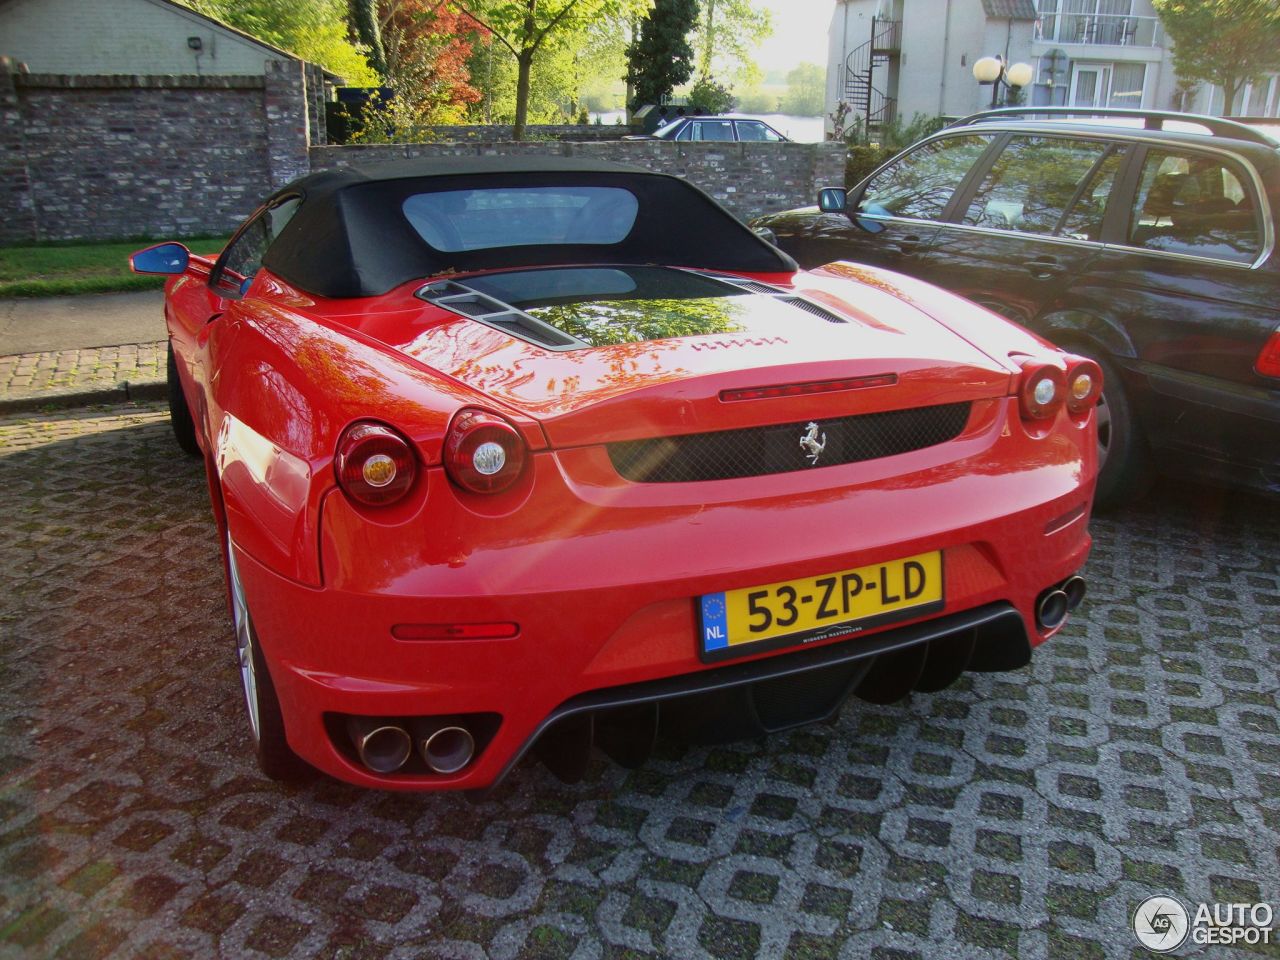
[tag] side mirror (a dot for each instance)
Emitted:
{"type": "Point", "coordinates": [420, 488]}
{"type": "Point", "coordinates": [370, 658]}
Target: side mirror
{"type": "Point", "coordinates": [169, 259]}
{"type": "Point", "coordinates": [832, 200]}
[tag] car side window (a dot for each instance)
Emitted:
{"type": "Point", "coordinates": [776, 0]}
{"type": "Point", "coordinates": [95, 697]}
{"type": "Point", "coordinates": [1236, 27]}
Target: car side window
{"type": "Point", "coordinates": [1083, 220]}
{"type": "Point", "coordinates": [243, 258]}
{"type": "Point", "coordinates": [713, 130]}
{"type": "Point", "coordinates": [1195, 204]}
{"type": "Point", "coordinates": [1034, 181]}
{"type": "Point", "coordinates": [920, 185]}
{"type": "Point", "coordinates": [753, 131]}
{"type": "Point", "coordinates": [686, 132]}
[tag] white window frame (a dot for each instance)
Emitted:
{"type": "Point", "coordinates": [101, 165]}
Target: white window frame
{"type": "Point", "coordinates": [1106, 70]}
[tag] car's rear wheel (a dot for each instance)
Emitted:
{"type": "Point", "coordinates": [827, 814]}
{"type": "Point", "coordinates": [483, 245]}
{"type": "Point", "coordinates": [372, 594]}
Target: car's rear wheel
{"type": "Point", "coordinates": [1124, 468]}
{"type": "Point", "coordinates": [180, 419]}
{"type": "Point", "coordinates": [266, 724]}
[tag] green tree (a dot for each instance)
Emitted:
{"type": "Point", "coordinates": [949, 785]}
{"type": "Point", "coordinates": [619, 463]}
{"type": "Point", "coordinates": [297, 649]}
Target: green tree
{"type": "Point", "coordinates": [525, 28]}
{"type": "Point", "coordinates": [728, 31]}
{"type": "Point", "coordinates": [710, 96]}
{"type": "Point", "coordinates": [315, 31]}
{"type": "Point", "coordinates": [1223, 42]}
{"type": "Point", "coordinates": [660, 58]}
{"type": "Point", "coordinates": [806, 90]}
{"type": "Point", "coordinates": [426, 46]}
{"type": "Point", "coordinates": [569, 71]}
{"type": "Point", "coordinates": [757, 99]}
{"type": "Point", "coordinates": [363, 16]}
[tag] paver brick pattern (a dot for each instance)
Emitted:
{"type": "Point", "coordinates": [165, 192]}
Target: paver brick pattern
{"type": "Point", "coordinates": [25, 375]}
{"type": "Point", "coordinates": [1013, 815]}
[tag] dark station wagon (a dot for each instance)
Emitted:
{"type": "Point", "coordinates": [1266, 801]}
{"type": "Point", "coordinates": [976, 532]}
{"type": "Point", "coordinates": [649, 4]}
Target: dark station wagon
{"type": "Point", "coordinates": [1144, 240]}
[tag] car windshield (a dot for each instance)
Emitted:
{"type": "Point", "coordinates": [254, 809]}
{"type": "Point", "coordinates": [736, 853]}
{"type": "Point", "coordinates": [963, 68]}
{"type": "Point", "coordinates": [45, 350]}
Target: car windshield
{"type": "Point", "coordinates": [481, 219]}
{"type": "Point", "coordinates": [666, 128]}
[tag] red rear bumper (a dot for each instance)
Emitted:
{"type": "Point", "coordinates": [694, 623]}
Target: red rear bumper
{"type": "Point", "coordinates": [601, 576]}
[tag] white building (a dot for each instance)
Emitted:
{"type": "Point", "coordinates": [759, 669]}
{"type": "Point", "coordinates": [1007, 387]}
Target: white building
{"type": "Point", "coordinates": [127, 37]}
{"type": "Point", "coordinates": [890, 58]}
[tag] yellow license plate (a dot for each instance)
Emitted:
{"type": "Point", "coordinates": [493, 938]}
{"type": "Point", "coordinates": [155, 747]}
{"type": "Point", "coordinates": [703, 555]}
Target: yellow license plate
{"type": "Point", "coordinates": [738, 622]}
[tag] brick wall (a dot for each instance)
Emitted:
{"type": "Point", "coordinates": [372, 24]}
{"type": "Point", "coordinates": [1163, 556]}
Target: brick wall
{"type": "Point", "coordinates": [104, 157]}
{"type": "Point", "coordinates": [108, 157]}
{"type": "Point", "coordinates": [748, 178]}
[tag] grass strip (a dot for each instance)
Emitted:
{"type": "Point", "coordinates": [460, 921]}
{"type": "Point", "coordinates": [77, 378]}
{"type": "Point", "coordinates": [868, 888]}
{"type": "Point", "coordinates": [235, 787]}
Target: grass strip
{"type": "Point", "coordinates": [51, 270]}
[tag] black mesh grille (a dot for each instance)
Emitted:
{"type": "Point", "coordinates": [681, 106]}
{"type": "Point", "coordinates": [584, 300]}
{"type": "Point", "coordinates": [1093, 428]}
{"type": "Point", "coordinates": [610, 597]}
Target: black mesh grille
{"type": "Point", "coordinates": [755, 451]}
{"type": "Point", "coordinates": [810, 307]}
{"type": "Point", "coordinates": [751, 285]}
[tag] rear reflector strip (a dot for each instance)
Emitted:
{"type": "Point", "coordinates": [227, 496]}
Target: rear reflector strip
{"type": "Point", "coordinates": [805, 389]}
{"type": "Point", "coordinates": [455, 631]}
{"type": "Point", "coordinates": [1064, 521]}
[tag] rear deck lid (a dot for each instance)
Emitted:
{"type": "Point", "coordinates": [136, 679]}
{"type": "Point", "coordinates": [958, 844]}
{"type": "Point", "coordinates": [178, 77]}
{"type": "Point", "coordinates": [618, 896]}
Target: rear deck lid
{"type": "Point", "coordinates": [615, 353]}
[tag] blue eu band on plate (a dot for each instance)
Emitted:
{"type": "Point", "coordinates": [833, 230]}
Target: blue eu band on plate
{"type": "Point", "coordinates": [738, 622]}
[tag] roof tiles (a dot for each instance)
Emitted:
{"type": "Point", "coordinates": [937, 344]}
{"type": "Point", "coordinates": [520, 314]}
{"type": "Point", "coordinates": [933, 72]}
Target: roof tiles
{"type": "Point", "coordinates": [1010, 9]}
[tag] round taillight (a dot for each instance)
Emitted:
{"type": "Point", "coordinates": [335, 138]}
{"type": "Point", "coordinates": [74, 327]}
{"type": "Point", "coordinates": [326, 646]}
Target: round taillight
{"type": "Point", "coordinates": [374, 464]}
{"type": "Point", "coordinates": [1043, 388]}
{"type": "Point", "coordinates": [1084, 384]}
{"type": "Point", "coordinates": [483, 453]}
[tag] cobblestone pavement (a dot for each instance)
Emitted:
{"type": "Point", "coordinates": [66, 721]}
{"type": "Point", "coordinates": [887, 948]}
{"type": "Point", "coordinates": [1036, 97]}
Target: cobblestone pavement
{"type": "Point", "coordinates": [1016, 815]}
{"type": "Point", "coordinates": [57, 373]}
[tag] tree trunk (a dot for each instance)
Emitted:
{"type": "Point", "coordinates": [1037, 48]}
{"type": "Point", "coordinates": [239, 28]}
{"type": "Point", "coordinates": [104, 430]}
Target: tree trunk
{"type": "Point", "coordinates": [1230, 87]}
{"type": "Point", "coordinates": [708, 38]}
{"type": "Point", "coordinates": [529, 41]}
{"type": "Point", "coordinates": [627, 101]}
{"type": "Point", "coordinates": [524, 66]}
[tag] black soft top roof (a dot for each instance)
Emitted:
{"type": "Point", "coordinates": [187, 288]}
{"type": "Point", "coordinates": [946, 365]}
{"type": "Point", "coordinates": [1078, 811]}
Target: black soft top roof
{"type": "Point", "coordinates": [350, 238]}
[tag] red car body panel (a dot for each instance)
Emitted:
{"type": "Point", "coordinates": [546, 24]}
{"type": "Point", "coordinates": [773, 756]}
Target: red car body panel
{"type": "Point", "coordinates": [599, 575]}
{"type": "Point", "coordinates": [602, 583]}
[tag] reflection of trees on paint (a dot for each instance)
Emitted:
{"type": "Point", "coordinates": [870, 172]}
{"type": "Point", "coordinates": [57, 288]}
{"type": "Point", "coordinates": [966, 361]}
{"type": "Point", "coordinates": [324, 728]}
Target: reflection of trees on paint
{"type": "Point", "coordinates": [851, 271]}
{"type": "Point", "coordinates": [309, 381]}
{"type": "Point", "coordinates": [542, 383]}
{"type": "Point", "coordinates": [636, 321]}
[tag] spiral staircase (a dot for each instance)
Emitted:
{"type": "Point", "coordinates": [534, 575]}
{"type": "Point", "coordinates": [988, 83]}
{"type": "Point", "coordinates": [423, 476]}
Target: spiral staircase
{"type": "Point", "coordinates": [865, 99]}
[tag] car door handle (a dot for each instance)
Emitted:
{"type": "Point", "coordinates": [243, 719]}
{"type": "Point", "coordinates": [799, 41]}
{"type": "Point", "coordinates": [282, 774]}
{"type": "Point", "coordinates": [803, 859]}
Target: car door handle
{"type": "Point", "coordinates": [1042, 268]}
{"type": "Point", "coordinates": [908, 244]}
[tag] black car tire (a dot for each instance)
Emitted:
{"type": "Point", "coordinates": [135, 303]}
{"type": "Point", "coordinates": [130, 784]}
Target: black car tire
{"type": "Point", "coordinates": [184, 427]}
{"type": "Point", "coordinates": [1124, 472]}
{"type": "Point", "coordinates": [276, 758]}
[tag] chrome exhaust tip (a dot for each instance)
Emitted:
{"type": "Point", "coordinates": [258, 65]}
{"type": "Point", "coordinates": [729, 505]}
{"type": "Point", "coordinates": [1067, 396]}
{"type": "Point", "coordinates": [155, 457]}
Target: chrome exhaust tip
{"type": "Point", "coordinates": [1074, 588]}
{"type": "Point", "coordinates": [1052, 609]}
{"type": "Point", "coordinates": [382, 747]}
{"type": "Point", "coordinates": [444, 747]}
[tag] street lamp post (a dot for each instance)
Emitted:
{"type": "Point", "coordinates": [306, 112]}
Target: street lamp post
{"type": "Point", "coordinates": [992, 70]}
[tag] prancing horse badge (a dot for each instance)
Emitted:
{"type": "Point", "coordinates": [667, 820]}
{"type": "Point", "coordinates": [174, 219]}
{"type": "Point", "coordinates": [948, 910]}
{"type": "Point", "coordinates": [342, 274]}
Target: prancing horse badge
{"type": "Point", "coordinates": [813, 447]}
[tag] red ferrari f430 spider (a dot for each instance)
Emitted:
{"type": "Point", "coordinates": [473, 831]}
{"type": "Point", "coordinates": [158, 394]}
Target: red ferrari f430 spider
{"type": "Point", "coordinates": [520, 455]}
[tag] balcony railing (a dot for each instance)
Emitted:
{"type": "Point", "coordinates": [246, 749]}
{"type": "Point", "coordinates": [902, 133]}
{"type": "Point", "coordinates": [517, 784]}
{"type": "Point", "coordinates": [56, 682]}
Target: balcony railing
{"type": "Point", "coordinates": [1104, 29]}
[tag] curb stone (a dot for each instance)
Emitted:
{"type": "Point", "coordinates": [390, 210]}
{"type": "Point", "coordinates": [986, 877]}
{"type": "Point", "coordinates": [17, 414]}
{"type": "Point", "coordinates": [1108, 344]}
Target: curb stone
{"type": "Point", "coordinates": [77, 376]}
{"type": "Point", "coordinates": [123, 392]}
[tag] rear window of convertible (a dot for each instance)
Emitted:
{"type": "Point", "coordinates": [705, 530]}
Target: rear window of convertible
{"type": "Point", "coordinates": [455, 220]}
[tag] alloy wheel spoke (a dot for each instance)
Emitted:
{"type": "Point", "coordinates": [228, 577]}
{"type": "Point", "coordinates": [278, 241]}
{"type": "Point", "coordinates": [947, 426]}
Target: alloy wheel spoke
{"type": "Point", "coordinates": [244, 641]}
{"type": "Point", "coordinates": [1104, 429]}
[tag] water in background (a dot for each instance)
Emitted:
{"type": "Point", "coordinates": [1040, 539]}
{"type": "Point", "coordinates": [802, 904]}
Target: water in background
{"type": "Point", "coordinates": [802, 129]}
